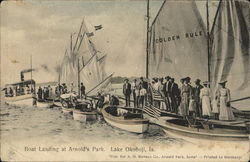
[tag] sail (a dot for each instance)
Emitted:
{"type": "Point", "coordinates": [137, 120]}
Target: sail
{"type": "Point", "coordinates": [101, 87]}
{"type": "Point", "coordinates": [90, 74]}
{"type": "Point", "coordinates": [102, 62]}
{"type": "Point", "coordinates": [178, 42]}
{"type": "Point", "coordinates": [230, 50]}
{"type": "Point", "coordinates": [68, 72]}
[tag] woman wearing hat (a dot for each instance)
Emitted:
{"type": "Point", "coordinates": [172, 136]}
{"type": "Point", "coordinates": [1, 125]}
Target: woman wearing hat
{"type": "Point", "coordinates": [205, 100]}
{"type": "Point", "coordinates": [224, 99]}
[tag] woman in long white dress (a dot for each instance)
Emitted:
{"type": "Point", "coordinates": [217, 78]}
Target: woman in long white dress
{"type": "Point", "coordinates": [224, 97]}
{"type": "Point", "coordinates": [205, 100]}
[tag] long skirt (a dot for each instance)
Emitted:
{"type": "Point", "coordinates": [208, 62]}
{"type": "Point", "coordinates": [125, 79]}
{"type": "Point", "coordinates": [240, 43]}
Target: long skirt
{"type": "Point", "coordinates": [206, 108]}
{"type": "Point", "coordinates": [226, 112]}
{"type": "Point", "coordinates": [215, 108]}
{"type": "Point", "coordinates": [184, 105]}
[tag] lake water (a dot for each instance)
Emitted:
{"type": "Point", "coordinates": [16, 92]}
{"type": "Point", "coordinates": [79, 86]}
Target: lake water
{"type": "Point", "coordinates": [40, 134]}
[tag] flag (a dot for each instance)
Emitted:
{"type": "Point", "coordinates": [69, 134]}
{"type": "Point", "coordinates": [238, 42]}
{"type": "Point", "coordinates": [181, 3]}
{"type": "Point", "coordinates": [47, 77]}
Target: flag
{"type": "Point", "coordinates": [98, 27]}
{"type": "Point", "coordinates": [152, 111]}
{"type": "Point", "coordinates": [90, 34]}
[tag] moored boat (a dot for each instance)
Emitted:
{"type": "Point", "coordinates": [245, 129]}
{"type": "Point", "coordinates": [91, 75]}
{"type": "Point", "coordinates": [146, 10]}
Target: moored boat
{"type": "Point", "coordinates": [84, 116]}
{"type": "Point", "coordinates": [132, 122]}
{"type": "Point", "coordinates": [20, 93]}
{"type": "Point", "coordinates": [182, 128]}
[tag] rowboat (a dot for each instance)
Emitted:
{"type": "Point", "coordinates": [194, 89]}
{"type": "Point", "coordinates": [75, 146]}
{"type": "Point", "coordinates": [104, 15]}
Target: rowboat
{"type": "Point", "coordinates": [84, 116]}
{"type": "Point", "coordinates": [66, 110]}
{"type": "Point", "coordinates": [220, 131]}
{"type": "Point", "coordinates": [135, 123]}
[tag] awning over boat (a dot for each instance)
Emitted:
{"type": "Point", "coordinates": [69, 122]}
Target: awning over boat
{"type": "Point", "coordinates": [26, 82]}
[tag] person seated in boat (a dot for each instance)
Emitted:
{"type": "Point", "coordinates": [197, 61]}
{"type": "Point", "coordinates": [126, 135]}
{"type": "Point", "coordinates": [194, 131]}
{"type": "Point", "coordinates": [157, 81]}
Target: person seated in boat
{"type": "Point", "coordinates": [82, 88]}
{"type": "Point", "coordinates": [44, 93]}
{"type": "Point", "coordinates": [196, 91]}
{"type": "Point", "coordinates": [127, 91]}
{"type": "Point", "coordinates": [224, 98]}
{"type": "Point", "coordinates": [40, 93]}
{"type": "Point", "coordinates": [10, 92]}
{"type": "Point", "coordinates": [114, 101]}
{"type": "Point", "coordinates": [28, 90]}
{"type": "Point", "coordinates": [205, 95]}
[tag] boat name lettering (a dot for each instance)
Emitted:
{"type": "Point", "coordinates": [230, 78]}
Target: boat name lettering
{"type": "Point", "coordinates": [178, 37]}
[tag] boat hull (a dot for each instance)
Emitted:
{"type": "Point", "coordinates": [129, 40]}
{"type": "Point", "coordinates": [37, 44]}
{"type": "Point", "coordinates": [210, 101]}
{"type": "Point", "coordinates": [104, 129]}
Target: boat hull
{"type": "Point", "coordinates": [204, 134]}
{"type": "Point", "coordinates": [67, 110]}
{"type": "Point", "coordinates": [44, 104]}
{"type": "Point", "coordinates": [84, 116]}
{"type": "Point", "coordinates": [131, 125]}
{"type": "Point", "coordinates": [25, 100]}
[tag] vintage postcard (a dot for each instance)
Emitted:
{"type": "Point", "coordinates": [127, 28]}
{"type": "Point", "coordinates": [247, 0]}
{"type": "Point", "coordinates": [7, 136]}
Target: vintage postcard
{"type": "Point", "coordinates": [125, 80]}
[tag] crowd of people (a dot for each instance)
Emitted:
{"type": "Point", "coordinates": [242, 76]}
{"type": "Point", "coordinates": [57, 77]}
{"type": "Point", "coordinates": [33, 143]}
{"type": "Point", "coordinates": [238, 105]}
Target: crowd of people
{"type": "Point", "coordinates": [63, 89]}
{"type": "Point", "coordinates": [44, 93]}
{"type": "Point", "coordinates": [185, 99]}
{"type": "Point", "coordinates": [18, 90]}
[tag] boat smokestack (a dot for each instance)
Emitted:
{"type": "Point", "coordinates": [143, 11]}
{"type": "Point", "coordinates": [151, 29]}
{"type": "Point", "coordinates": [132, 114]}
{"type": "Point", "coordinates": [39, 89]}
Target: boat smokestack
{"type": "Point", "coordinates": [25, 71]}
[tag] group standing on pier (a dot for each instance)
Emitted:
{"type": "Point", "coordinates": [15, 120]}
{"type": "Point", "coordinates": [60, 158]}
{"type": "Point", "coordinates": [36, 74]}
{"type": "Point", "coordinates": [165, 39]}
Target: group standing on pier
{"type": "Point", "coordinates": [185, 100]}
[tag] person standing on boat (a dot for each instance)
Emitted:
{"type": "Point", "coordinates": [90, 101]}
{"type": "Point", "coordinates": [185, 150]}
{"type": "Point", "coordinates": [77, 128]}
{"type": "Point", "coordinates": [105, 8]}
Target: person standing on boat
{"type": "Point", "coordinates": [71, 87]}
{"type": "Point", "coordinates": [205, 94]}
{"type": "Point", "coordinates": [156, 84]}
{"type": "Point", "coordinates": [186, 93]}
{"type": "Point", "coordinates": [162, 105]}
{"type": "Point", "coordinates": [224, 97]}
{"type": "Point", "coordinates": [82, 88]}
{"type": "Point", "coordinates": [50, 91]}
{"type": "Point", "coordinates": [127, 91]}
{"type": "Point", "coordinates": [197, 90]}
{"type": "Point", "coordinates": [40, 93]}
{"type": "Point", "coordinates": [135, 91]}
{"type": "Point", "coordinates": [174, 93]}
{"type": "Point", "coordinates": [142, 97]}
{"type": "Point", "coordinates": [167, 86]}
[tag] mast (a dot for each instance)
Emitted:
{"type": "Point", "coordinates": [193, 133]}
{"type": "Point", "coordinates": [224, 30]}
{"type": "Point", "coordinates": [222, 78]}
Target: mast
{"type": "Point", "coordinates": [147, 39]}
{"type": "Point", "coordinates": [208, 44]}
{"type": "Point", "coordinates": [78, 77]}
{"type": "Point", "coordinates": [31, 67]}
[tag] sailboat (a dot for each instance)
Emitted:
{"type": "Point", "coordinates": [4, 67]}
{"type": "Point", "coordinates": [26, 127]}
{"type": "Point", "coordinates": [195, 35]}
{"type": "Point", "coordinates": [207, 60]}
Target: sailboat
{"type": "Point", "coordinates": [84, 64]}
{"type": "Point", "coordinates": [180, 44]}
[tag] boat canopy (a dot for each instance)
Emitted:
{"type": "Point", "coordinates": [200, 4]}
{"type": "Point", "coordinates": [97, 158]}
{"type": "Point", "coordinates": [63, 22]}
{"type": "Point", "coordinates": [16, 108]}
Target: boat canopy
{"type": "Point", "coordinates": [26, 82]}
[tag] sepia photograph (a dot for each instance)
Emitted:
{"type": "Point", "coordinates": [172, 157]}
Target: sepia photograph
{"type": "Point", "coordinates": [125, 80]}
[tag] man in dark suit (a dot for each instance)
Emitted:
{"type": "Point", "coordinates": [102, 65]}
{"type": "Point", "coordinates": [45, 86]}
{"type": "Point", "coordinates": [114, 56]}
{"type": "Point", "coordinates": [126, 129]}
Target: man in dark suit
{"type": "Point", "coordinates": [127, 91]}
{"type": "Point", "coordinates": [174, 95]}
{"type": "Point", "coordinates": [166, 90]}
{"type": "Point", "coordinates": [196, 91]}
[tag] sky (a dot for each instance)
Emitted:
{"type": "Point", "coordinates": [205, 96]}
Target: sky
{"type": "Point", "coordinates": [41, 29]}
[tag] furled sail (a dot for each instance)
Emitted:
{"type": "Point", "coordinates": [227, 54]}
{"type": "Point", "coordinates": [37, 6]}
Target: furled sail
{"type": "Point", "coordinates": [178, 42]}
{"type": "Point", "coordinates": [230, 50]}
